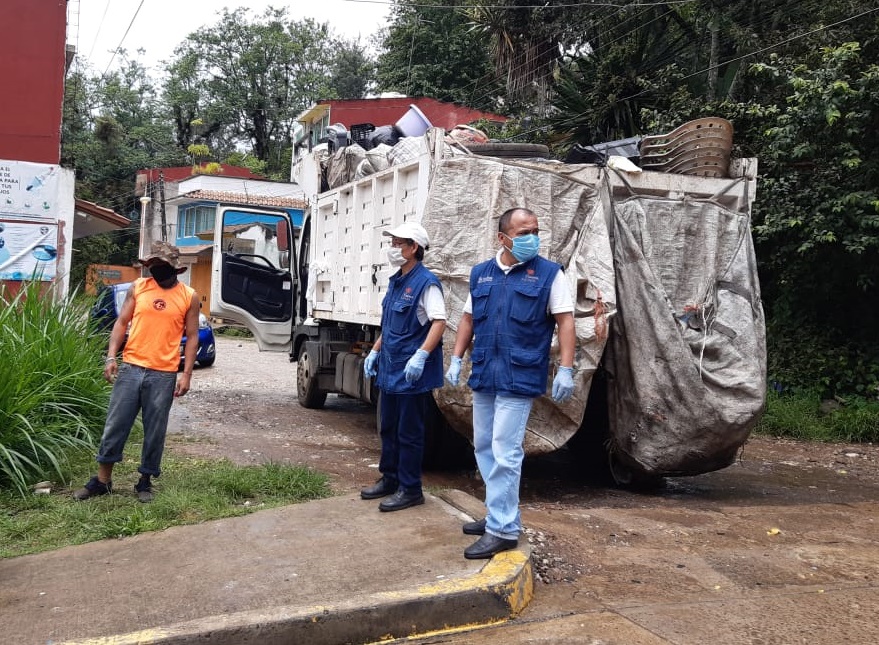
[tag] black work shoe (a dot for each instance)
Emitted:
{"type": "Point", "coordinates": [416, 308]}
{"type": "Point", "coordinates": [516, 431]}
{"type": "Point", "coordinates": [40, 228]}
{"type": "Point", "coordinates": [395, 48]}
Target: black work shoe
{"type": "Point", "coordinates": [474, 528]}
{"type": "Point", "coordinates": [144, 490]}
{"type": "Point", "coordinates": [487, 546]}
{"type": "Point", "coordinates": [93, 488]}
{"type": "Point", "coordinates": [400, 500]}
{"type": "Point", "coordinates": [382, 488]}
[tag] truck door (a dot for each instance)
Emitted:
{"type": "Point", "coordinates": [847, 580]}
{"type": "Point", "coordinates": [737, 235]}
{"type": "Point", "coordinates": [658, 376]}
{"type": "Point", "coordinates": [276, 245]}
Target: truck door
{"type": "Point", "coordinates": [254, 281]}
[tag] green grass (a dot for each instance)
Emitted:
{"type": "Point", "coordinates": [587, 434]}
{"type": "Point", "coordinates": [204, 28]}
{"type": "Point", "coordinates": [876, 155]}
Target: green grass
{"type": "Point", "coordinates": [53, 402]}
{"type": "Point", "coordinates": [53, 398]}
{"type": "Point", "coordinates": [188, 492]}
{"type": "Point", "coordinates": [232, 331]}
{"type": "Point", "coordinates": [800, 416]}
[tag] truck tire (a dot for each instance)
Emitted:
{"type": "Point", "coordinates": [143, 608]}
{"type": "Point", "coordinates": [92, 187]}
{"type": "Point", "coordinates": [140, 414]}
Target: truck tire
{"type": "Point", "coordinates": [626, 477]}
{"type": "Point", "coordinates": [444, 449]}
{"type": "Point", "coordinates": [510, 150]}
{"type": "Point", "coordinates": [310, 395]}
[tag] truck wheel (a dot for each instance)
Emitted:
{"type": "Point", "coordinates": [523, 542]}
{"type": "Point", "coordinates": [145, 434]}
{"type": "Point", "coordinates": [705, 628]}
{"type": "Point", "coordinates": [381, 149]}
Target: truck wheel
{"type": "Point", "coordinates": [310, 395]}
{"type": "Point", "coordinates": [627, 477]}
{"type": "Point", "coordinates": [510, 150]}
{"type": "Point", "coordinates": [444, 449]}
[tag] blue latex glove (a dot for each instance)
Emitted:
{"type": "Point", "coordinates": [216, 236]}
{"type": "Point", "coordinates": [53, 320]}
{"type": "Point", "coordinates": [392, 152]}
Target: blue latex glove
{"type": "Point", "coordinates": [563, 384]}
{"type": "Point", "coordinates": [453, 374]}
{"type": "Point", "coordinates": [415, 366]}
{"type": "Point", "coordinates": [370, 364]}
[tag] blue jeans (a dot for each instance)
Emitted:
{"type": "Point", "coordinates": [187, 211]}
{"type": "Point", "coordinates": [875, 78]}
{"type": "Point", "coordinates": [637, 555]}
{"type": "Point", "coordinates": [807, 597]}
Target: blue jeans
{"type": "Point", "coordinates": [138, 388]}
{"type": "Point", "coordinates": [498, 432]}
{"type": "Point", "coordinates": [402, 435]}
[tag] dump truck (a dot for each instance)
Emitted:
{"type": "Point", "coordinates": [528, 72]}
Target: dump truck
{"type": "Point", "coordinates": [670, 365]}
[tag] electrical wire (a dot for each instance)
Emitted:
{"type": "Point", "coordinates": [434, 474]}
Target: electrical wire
{"type": "Point", "coordinates": [585, 3]}
{"type": "Point", "coordinates": [98, 33]}
{"type": "Point", "coordinates": [726, 62]}
{"type": "Point", "coordinates": [814, 3]}
{"type": "Point", "coordinates": [124, 36]}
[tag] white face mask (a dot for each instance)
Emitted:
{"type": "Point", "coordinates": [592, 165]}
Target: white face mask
{"type": "Point", "coordinates": [395, 257]}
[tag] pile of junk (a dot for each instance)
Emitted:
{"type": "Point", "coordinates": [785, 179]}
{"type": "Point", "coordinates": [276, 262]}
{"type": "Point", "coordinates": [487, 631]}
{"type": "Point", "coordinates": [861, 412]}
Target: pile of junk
{"type": "Point", "coordinates": [366, 149]}
{"type": "Point", "coordinates": [700, 147]}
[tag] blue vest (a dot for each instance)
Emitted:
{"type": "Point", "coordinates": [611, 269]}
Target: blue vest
{"type": "Point", "coordinates": [403, 335]}
{"type": "Point", "coordinates": [512, 330]}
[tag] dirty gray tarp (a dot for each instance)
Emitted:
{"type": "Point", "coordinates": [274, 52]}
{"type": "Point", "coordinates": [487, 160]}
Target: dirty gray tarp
{"type": "Point", "coordinates": [466, 197]}
{"type": "Point", "coordinates": [686, 359]}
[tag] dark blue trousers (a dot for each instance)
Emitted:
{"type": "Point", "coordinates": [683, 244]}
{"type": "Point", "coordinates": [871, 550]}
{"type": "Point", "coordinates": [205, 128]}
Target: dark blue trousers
{"type": "Point", "coordinates": [402, 435]}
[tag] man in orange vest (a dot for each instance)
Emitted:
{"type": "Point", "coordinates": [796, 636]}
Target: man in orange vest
{"type": "Point", "coordinates": [160, 309]}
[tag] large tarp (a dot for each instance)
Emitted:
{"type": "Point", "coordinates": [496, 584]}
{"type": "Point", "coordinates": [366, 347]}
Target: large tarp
{"type": "Point", "coordinates": [686, 358]}
{"type": "Point", "coordinates": [467, 196]}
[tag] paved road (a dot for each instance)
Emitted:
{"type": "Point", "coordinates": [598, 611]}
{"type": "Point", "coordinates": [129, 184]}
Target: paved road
{"type": "Point", "coordinates": [778, 548]}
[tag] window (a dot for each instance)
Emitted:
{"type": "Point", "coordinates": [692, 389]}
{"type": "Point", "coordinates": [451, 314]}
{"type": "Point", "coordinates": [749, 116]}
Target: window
{"type": "Point", "coordinates": [193, 220]}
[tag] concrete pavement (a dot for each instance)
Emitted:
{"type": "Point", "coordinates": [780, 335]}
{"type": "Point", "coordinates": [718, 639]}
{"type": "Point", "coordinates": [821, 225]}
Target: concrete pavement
{"type": "Point", "coordinates": [330, 571]}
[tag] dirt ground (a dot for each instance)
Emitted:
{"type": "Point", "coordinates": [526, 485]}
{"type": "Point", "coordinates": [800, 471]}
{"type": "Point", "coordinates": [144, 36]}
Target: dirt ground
{"type": "Point", "coordinates": [746, 549]}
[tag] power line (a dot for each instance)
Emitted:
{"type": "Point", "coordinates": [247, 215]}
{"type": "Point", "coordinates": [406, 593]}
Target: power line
{"type": "Point", "coordinates": [98, 33]}
{"type": "Point", "coordinates": [732, 60]}
{"type": "Point", "coordinates": [119, 46]}
{"type": "Point", "coordinates": [585, 3]}
{"type": "Point", "coordinates": [814, 3]}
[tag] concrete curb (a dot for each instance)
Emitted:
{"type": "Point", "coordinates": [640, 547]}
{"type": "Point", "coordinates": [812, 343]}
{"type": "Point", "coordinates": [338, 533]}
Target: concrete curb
{"type": "Point", "coordinates": [499, 591]}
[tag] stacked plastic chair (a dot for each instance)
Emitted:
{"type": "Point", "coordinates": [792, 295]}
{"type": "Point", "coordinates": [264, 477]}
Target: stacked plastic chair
{"type": "Point", "coordinates": [699, 147]}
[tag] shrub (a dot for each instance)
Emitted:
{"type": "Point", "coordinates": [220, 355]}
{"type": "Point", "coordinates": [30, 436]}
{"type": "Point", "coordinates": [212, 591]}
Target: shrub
{"type": "Point", "coordinates": [53, 398]}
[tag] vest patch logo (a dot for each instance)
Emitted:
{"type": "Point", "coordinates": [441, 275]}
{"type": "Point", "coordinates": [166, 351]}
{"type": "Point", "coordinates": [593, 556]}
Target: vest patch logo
{"type": "Point", "coordinates": [408, 290]}
{"type": "Point", "coordinates": [159, 304]}
{"type": "Point", "coordinates": [530, 271]}
{"type": "Point", "coordinates": [485, 278]}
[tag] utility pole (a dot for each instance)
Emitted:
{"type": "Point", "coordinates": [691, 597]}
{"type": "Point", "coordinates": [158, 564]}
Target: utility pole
{"type": "Point", "coordinates": [162, 205]}
{"type": "Point", "coordinates": [144, 247]}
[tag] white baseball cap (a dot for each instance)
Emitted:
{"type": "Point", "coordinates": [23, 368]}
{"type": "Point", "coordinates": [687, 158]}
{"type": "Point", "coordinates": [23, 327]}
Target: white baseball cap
{"type": "Point", "coordinates": [410, 231]}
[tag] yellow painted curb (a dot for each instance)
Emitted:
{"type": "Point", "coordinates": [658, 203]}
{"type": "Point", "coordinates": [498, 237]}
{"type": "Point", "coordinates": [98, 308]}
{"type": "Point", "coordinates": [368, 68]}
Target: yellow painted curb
{"type": "Point", "coordinates": [504, 586]}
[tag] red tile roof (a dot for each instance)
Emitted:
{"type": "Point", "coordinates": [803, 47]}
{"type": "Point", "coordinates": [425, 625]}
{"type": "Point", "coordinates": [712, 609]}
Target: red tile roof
{"type": "Point", "coordinates": [246, 199]}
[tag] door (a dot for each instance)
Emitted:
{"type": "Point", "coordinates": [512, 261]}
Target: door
{"type": "Point", "coordinates": [253, 280]}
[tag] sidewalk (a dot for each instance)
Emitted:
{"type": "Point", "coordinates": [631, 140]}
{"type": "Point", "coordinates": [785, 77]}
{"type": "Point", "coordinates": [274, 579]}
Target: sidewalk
{"type": "Point", "coordinates": [325, 572]}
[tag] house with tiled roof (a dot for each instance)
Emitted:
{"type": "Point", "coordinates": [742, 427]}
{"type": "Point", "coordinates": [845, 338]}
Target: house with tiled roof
{"type": "Point", "coordinates": [181, 207]}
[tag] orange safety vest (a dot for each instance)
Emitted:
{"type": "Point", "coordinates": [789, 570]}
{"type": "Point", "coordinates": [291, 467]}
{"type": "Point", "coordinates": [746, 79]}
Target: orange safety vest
{"type": "Point", "coordinates": [158, 325]}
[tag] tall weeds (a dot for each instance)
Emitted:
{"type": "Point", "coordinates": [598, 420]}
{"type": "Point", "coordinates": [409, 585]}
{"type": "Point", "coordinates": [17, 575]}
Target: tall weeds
{"type": "Point", "coordinates": [53, 398]}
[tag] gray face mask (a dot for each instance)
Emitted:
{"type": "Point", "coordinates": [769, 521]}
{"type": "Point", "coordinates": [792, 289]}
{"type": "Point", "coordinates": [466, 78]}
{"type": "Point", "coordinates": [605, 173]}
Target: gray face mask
{"type": "Point", "coordinates": [395, 257]}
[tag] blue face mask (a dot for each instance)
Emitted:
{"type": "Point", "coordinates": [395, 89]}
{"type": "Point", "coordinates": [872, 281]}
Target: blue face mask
{"type": "Point", "coordinates": [525, 247]}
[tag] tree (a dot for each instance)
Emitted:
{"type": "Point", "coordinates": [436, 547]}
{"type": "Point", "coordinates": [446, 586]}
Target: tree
{"type": "Point", "coordinates": [526, 41]}
{"type": "Point", "coordinates": [430, 49]}
{"type": "Point", "coordinates": [113, 126]}
{"type": "Point", "coordinates": [351, 71]}
{"type": "Point", "coordinates": [247, 80]}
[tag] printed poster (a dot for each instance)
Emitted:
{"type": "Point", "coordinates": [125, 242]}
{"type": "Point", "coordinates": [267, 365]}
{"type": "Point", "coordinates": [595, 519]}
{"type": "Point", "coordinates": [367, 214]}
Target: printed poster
{"type": "Point", "coordinates": [28, 188]}
{"type": "Point", "coordinates": [28, 220]}
{"type": "Point", "coordinates": [28, 250]}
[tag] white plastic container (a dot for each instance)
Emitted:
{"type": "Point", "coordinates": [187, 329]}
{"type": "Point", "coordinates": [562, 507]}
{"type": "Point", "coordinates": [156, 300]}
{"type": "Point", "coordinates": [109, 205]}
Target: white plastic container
{"type": "Point", "coordinates": [413, 123]}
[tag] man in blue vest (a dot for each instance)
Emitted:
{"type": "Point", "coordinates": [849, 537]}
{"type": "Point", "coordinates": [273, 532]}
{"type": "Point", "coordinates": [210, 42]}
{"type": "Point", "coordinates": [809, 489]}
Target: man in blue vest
{"type": "Point", "coordinates": [407, 362]}
{"type": "Point", "coordinates": [516, 301]}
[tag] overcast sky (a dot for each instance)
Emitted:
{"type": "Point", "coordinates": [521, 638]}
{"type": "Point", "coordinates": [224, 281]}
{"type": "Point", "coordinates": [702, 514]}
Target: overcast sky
{"type": "Point", "coordinates": [160, 25]}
